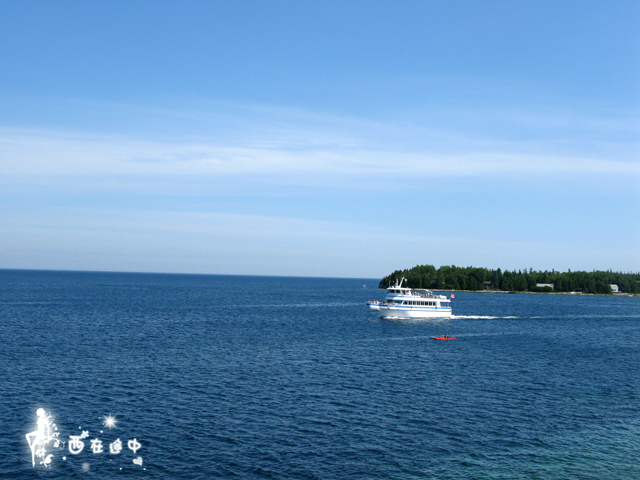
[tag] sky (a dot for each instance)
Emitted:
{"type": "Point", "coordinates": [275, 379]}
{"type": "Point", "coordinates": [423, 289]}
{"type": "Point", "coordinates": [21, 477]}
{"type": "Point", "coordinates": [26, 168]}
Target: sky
{"type": "Point", "coordinates": [335, 139]}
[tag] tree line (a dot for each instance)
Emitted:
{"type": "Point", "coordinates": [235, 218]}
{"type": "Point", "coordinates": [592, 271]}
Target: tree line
{"type": "Point", "coordinates": [471, 278]}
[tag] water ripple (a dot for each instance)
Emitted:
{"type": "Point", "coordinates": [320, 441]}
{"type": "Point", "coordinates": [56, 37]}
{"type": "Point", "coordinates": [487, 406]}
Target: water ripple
{"type": "Point", "coordinates": [302, 381]}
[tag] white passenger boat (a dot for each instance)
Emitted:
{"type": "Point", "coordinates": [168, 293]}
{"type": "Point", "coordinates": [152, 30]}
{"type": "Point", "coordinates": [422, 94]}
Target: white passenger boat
{"type": "Point", "coordinates": [406, 302]}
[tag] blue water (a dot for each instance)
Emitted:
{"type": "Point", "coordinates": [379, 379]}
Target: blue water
{"type": "Point", "coordinates": [293, 378]}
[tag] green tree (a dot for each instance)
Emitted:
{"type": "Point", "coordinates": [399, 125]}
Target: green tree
{"type": "Point", "coordinates": [472, 278]}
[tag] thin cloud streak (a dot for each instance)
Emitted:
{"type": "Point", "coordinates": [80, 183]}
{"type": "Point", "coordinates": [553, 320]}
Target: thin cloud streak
{"type": "Point", "coordinates": [33, 154]}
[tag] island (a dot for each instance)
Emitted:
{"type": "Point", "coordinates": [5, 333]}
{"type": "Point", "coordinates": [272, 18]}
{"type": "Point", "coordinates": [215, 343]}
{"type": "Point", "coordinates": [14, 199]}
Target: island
{"type": "Point", "coordinates": [484, 279]}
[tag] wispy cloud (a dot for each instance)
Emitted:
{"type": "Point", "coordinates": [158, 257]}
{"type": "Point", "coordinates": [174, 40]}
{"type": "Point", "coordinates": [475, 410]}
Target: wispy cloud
{"type": "Point", "coordinates": [301, 155]}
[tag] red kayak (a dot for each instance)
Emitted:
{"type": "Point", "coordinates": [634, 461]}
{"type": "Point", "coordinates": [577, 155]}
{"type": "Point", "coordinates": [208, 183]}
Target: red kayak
{"type": "Point", "coordinates": [443, 338]}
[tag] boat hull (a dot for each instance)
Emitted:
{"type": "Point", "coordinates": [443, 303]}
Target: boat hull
{"type": "Point", "coordinates": [413, 312]}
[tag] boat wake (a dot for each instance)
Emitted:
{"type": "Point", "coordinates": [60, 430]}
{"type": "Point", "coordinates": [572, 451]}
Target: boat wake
{"type": "Point", "coordinates": [481, 317]}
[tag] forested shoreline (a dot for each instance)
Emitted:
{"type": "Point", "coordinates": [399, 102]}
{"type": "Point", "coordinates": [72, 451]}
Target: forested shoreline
{"type": "Point", "coordinates": [472, 278]}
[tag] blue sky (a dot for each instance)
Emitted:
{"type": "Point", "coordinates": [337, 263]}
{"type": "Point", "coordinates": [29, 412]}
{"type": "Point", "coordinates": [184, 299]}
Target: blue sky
{"type": "Point", "coordinates": [319, 138]}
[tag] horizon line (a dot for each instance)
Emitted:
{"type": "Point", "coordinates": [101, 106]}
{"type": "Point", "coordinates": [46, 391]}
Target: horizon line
{"type": "Point", "coordinates": [179, 273]}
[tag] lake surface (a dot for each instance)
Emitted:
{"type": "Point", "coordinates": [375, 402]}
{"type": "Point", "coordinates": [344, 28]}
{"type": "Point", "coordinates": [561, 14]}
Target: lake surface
{"type": "Point", "coordinates": [294, 378]}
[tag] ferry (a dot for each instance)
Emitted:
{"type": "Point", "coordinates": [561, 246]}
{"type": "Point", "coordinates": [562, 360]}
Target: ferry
{"type": "Point", "coordinates": [406, 302]}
